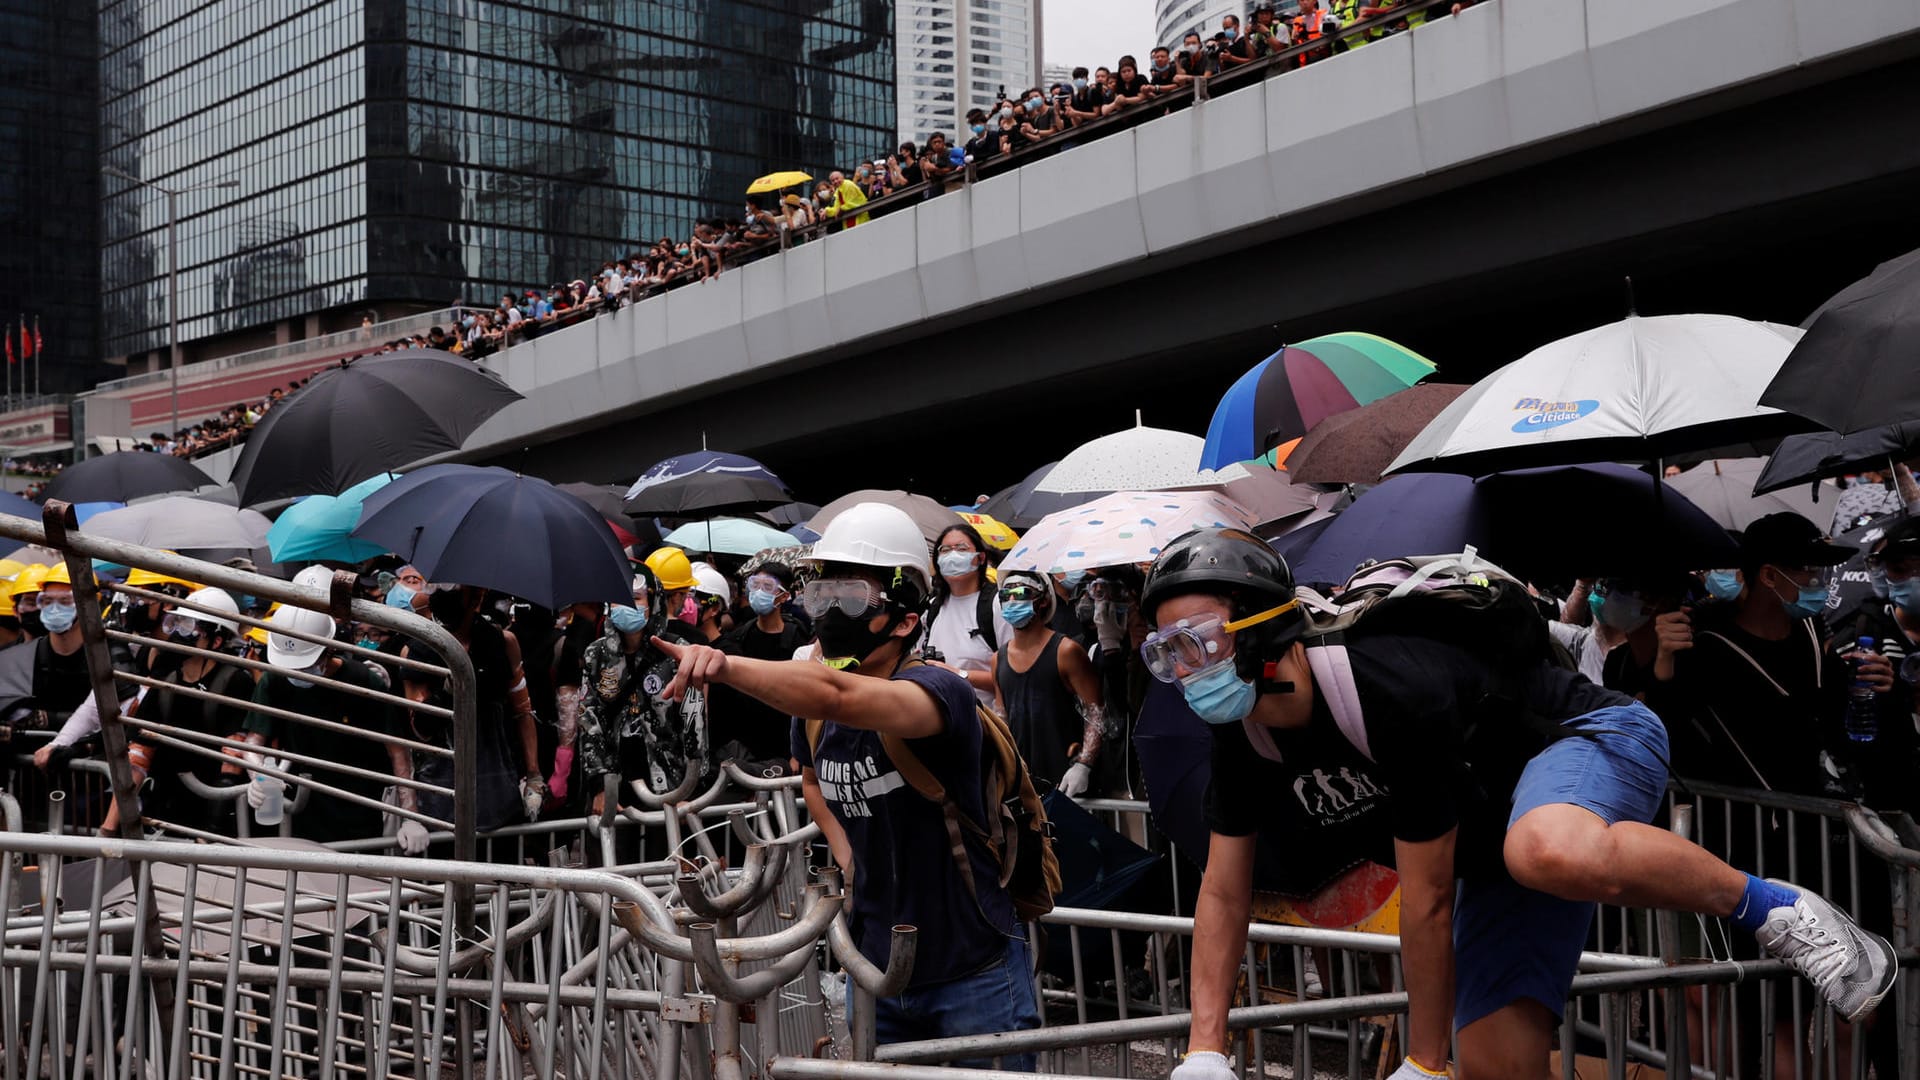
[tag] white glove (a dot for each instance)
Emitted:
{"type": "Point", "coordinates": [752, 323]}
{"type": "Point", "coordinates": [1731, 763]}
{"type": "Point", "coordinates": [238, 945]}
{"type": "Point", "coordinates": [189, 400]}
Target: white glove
{"type": "Point", "coordinates": [1410, 1071]}
{"type": "Point", "coordinates": [1074, 784]}
{"type": "Point", "coordinates": [1204, 1065]}
{"type": "Point", "coordinates": [1110, 625]}
{"type": "Point", "coordinates": [533, 795]}
{"type": "Point", "coordinates": [263, 786]}
{"type": "Point", "coordinates": [412, 837]}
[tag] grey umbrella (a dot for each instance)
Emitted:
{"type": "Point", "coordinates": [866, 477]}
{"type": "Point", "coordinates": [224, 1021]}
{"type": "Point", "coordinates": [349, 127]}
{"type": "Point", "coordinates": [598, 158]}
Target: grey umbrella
{"type": "Point", "coordinates": [1724, 489]}
{"type": "Point", "coordinates": [182, 521]}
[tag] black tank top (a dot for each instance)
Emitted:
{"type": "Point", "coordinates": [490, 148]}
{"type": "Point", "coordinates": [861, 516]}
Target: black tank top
{"type": "Point", "coordinates": [1041, 710]}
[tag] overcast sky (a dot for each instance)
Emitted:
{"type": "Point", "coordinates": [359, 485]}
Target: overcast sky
{"type": "Point", "coordinates": [1094, 32]}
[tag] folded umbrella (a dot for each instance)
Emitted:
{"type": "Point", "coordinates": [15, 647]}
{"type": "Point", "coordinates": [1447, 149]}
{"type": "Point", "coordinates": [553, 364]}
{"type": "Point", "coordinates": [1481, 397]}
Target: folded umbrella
{"type": "Point", "coordinates": [1854, 369]}
{"type": "Point", "coordinates": [1819, 455]}
{"type": "Point", "coordinates": [319, 528]}
{"type": "Point", "coordinates": [703, 482]}
{"type": "Point", "coordinates": [1356, 446]}
{"type": "Point", "coordinates": [364, 417]}
{"type": "Point", "coordinates": [1724, 489]}
{"type": "Point", "coordinates": [729, 536]}
{"type": "Point", "coordinates": [932, 518]}
{"type": "Point", "coordinates": [498, 530]}
{"type": "Point", "coordinates": [1126, 528]}
{"type": "Point", "coordinates": [123, 477]}
{"type": "Point", "coordinates": [1284, 396]}
{"type": "Point", "coordinates": [1635, 390]}
{"type": "Point", "coordinates": [181, 522]}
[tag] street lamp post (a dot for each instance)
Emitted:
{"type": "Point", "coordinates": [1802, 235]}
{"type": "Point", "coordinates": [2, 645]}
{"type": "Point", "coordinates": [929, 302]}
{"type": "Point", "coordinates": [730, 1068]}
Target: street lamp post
{"type": "Point", "coordinates": [173, 275]}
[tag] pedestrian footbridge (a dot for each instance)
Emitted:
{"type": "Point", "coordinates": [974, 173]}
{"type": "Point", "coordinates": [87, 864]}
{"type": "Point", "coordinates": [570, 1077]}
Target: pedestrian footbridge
{"type": "Point", "coordinates": [1500, 100]}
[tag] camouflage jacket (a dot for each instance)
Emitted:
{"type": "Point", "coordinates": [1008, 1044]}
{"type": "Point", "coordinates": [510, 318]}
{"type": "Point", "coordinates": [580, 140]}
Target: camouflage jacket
{"type": "Point", "coordinates": [622, 699]}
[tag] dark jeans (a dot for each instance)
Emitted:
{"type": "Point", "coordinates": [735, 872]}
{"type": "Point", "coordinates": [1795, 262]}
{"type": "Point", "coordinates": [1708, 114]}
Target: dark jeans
{"type": "Point", "coordinates": [997, 998]}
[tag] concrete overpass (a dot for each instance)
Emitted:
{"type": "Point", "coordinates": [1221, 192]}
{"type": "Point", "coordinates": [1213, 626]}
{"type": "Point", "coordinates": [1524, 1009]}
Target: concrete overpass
{"type": "Point", "coordinates": [1481, 182]}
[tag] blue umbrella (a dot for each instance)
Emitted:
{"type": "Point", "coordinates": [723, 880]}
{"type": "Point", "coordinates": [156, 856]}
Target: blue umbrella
{"type": "Point", "coordinates": [18, 507]}
{"type": "Point", "coordinates": [319, 528]}
{"type": "Point", "coordinates": [1568, 519]}
{"type": "Point", "coordinates": [86, 510]}
{"type": "Point", "coordinates": [729, 536]}
{"type": "Point", "coordinates": [497, 530]}
{"type": "Point", "coordinates": [705, 481]}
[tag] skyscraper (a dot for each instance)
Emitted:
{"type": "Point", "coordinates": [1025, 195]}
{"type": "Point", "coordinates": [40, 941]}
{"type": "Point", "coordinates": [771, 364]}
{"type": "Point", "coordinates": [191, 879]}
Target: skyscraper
{"type": "Point", "coordinates": [50, 190]}
{"type": "Point", "coordinates": [1174, 19]}
{"type": "Point", "coordinates": [396, 154]}
{"type": "Point", "coordinates": [955, 55]}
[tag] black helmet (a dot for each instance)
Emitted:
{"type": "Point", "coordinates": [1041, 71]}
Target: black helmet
{"type": "Point", "coordinates": [1240, 567]}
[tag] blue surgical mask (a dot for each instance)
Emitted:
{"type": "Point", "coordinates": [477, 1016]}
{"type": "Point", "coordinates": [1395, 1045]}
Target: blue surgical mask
{"type": "Point", "coordinates": [979, 129]}
{"type": "Point", "coordinates": [1723, 584]}
{"type": "Point", "coordinates": [1905, 595]}
{"type": "Point", "coordinates": [762, 602]}
{"type": "Point", "coordinates": [1231, 33]}
{"type": "Point", "coordinates": [1079, 84]}
{"type": "Point", "coordinates": [1072, 579]}
{"type": "Point", "coordinates": [1018, 613]}
{"type": "Point", "coordinates": [400, 596]}
{"type": "Point", "coordinates": [1217, 694]}
{"type": "Point", "coordinates": [1811, 600]}
{"type": "Point", "coordinates": [627, 620]}
{"type": "Point", "coordinates": [58, 618]}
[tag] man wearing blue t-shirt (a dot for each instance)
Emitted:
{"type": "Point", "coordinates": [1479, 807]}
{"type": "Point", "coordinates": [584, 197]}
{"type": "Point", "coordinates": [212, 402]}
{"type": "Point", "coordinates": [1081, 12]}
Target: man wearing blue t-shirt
{"type": "Point", "coordinates": [973, 972]}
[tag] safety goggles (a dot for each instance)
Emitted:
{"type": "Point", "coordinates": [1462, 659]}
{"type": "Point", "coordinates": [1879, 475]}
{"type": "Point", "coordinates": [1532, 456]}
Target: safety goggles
{"type": "Point", "coordinates": [1192, 644]}
{"type": "Point", "coordinates": [765, 583]}
{"type": "Point", "coordinates": [54, 601]}
{"type": "Point", "coordinates": [854, 596]}
{"type": "Point", "coordinates": [1015, 592]}
{"type": "Point", "coordinates": [183, 625]}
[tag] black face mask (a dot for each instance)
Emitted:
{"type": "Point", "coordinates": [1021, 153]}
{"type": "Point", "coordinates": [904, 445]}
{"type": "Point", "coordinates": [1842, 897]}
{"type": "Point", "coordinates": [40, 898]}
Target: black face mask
{"type": "Point", "coordinates": [449, 606]}
{"type": "Point", "coordinates": [30, 621]}
{"type": "Point", "coordinates": [846, 641]}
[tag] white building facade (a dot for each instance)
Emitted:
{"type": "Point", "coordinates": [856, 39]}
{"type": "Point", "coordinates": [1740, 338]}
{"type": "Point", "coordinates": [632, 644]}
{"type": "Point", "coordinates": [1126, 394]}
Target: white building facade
{"type": "Point", "coordinates": [956, 55]}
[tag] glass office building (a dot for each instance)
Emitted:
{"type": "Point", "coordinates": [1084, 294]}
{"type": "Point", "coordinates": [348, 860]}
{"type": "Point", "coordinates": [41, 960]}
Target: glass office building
{"type": "Point", "coordinates": [50, 189]}
{"type": "Point", "coordinates": [421, 151]}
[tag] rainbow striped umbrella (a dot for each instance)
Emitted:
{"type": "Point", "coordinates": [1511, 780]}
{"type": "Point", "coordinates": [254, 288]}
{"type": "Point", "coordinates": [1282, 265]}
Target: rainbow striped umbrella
{"type": "Point", "coordinates": [1299, 386]}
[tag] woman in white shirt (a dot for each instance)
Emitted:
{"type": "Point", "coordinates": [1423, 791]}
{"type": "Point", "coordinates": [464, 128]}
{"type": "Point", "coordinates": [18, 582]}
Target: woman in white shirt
{"type": "Point", "coordinates": [963, 625]}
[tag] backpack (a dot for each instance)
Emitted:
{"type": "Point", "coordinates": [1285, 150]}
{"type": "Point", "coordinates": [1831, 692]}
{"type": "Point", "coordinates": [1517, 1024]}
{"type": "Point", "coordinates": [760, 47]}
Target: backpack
{"type": "Point", "coordinates": [1020, 839]}
{"type": "Point", "coordinates": [1459, 599]}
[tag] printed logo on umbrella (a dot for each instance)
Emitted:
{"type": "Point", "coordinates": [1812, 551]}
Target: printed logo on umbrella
{"type": "Point", "coordinates": [1543, 414]}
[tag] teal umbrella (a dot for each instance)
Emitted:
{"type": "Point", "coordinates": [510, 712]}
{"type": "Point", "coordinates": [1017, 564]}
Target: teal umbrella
{"type": "Point", "coordinates": [729, 536]}
{"type": "Point", "coordinates": [319, 528]}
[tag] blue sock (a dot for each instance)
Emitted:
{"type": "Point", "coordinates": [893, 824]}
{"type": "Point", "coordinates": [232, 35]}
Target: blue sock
{"type": "Point", "coordinates": [1761, 897]}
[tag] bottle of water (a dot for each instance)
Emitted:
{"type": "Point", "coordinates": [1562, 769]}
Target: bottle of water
{"type": "Point", "coordinates": [273, 802]}
{"type": "Point", "coordinates": [1863, 716]}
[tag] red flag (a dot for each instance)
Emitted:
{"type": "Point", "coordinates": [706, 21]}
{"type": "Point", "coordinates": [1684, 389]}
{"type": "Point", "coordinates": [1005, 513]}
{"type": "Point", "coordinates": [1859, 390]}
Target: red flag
{"type": "Point", "coordinates": [26, 340]}
{"type": "Point", "coordinates": [39, 345]}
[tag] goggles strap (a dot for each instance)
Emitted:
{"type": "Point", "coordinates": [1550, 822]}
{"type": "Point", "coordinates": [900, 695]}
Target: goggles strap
{"type": "Point", "coordinates": [1257, 619]}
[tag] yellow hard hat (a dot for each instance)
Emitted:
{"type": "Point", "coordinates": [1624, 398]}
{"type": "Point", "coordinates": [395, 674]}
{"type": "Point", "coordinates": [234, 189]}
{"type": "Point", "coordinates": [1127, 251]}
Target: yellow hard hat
{"type": "Point", "coordinates": [673, 569]}
{"type": "Point", "coordinates": [57, 575]}
{"type": "Point", "coordinates": [6, 606]}
{"type": "Point", "coordinates": [140, 578]}
{"type": "Point", "coordinates": [27, 581]}
{"type": "Point", "coordinates": [258, 634]}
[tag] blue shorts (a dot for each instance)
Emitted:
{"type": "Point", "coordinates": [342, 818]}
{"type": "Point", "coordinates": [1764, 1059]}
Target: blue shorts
{"type": "Point", "coordinates": [1511, 942]}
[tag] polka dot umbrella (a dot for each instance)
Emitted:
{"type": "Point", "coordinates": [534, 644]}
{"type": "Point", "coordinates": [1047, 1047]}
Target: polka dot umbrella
{"type": "Point", "coordinates": [1128, 527]}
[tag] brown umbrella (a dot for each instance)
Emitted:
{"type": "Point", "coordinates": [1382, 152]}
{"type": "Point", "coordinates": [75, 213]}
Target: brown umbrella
{"type": "Point", "coordinates": [1356, 446]}
{"type": "Point", "coordinates": [932, 517]}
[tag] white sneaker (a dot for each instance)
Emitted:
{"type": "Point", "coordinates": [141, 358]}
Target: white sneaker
{"type": "Point", "coordinates": [1852, 968]}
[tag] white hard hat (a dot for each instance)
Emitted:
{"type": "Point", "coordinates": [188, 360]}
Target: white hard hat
{"type": "Point", "coordinates": [292, 652]}
{"type": "Point", "coordinates": [217, 600]}
{"type": "Point", "coordinates": [314, 577]}
{"type": "Point", "coordinates": [877, 535]}
{"type": "Point", "coordinates": [708, 580]}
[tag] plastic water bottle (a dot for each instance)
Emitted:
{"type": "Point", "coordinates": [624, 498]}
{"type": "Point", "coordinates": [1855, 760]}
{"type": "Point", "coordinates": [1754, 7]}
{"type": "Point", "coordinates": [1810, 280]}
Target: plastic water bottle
{"type": "Point", "coordinates": [1863, 716]}
{"type": "Point", "coordinates": [273, 798]}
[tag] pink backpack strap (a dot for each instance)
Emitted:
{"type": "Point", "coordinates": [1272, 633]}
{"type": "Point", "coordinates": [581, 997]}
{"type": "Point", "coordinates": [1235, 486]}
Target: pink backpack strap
{"type": "Point", "coordinates": [1333, 678]}
{"type": "Point", "coordinates": [1261, 738]}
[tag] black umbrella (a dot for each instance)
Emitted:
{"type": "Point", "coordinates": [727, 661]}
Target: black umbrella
{"type": "Point", "coordinates": [1802, 459]}
{"type": "Point", "coordinates": [1852, 587]}
{"type": "Point", "coordinates": [498, 530]}
{"type": "Point", "coordinates": [1099, 869]}
{"type": "Point", "coordinates": [704, 482]}
{"type": "Point", "coordinates": [364, 417]}
{"type": "Point", "coordinates": [787, 515]}
{"type": "Point", "coordinates": [611, 501]}
{"type": "Point", "coordinates": [1022, 507]}
{"type": "Point", "coordinates": [1854, 368]}
{"type": "Point", "coordinates": [123, 477]}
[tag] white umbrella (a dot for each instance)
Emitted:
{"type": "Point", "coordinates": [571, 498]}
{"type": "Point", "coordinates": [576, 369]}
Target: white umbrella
{"type": "Point", "coordinates": [1138, 459]}
{"type": "Point", "coordinates": [1128, 527]}
{"type": "Point", "coordinates": [182, 521]}
{"type": "Point", "coordinates": [1634, 390]}
{"type": "Point", "coordinates": [1724, 489]}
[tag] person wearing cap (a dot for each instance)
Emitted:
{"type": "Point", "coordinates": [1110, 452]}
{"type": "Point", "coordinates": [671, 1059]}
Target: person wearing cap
{"type": "Point", "coordinates": [972, 973]}
{"type": "Point", "coordinates": [628, 725]}
{"type": "Point", "coordinates": [794, 212]}
{"type": "Point", "coordinates": [291, 688]}
{"type": "Point", "coordinates": [1047, 687]}
{"type": "Point", "coordinates": [1517, 795]}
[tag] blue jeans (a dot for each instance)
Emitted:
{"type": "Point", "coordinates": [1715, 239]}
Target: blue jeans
{"type": "Point", "coordinates": [998, 997]}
